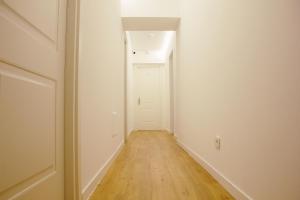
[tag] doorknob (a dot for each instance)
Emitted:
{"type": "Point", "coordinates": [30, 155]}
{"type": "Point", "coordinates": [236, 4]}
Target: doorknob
{"type": "Point", "coordinates": [139, 101]}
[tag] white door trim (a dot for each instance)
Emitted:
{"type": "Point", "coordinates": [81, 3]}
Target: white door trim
{"type": "Point", "coordinates": [72, 142]}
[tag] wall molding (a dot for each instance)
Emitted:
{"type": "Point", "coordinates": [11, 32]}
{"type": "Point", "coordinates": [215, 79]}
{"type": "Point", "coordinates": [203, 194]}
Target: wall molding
{"type": "Point", "coordinates": [92, 185]}
{"type": "Point", "coordinates": [233, 189]}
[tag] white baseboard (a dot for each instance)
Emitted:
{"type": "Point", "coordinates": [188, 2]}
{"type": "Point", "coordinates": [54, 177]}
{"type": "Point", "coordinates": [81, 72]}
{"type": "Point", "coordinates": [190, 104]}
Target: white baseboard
{"type": "Point", "coordinates": [131, 131]}
{"type": "Point", "coordinates": [234, 190]}
{"type": "Point", "coordinates": [92, 185]}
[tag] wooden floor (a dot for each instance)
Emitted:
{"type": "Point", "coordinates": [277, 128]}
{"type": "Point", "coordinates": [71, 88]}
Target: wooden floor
{"type": "Point", "coordinates": [153, 167]}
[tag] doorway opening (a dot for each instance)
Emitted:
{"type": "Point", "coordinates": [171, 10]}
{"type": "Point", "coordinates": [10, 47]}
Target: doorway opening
{"type": "Point", "coordinates": [149, 81]}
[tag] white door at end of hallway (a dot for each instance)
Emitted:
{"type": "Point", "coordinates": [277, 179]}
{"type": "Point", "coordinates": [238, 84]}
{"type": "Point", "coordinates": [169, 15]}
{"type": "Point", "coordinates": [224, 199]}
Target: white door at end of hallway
{"type": "Point", "coordinates": [147, 81]}
{"type": "Point", "coordinates": [32, 58]}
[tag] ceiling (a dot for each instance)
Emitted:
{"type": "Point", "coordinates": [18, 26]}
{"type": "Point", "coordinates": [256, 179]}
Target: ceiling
{"type": "Point", "coordinates": [147, 40]}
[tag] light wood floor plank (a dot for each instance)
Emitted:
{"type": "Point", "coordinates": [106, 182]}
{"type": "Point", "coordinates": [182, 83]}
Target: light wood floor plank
{"type": "Point", "coordinates": [152, 166]}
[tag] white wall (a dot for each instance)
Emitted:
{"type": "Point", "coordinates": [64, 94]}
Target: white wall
{"type": "Point", "coordinates": [150, 8]}
{"type": "Point", "coordinates": [101, 86]}
{"type": "Point", "coordinates": [239, 78]}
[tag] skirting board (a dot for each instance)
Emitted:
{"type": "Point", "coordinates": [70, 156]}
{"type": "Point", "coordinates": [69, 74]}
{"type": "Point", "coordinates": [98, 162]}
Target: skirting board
{"type": "Point", "coordinates": [129, 132]}
{"type": "Point", "coordinates": [225, 182]}
{"type": "Point", "coordinates": [91, 187]}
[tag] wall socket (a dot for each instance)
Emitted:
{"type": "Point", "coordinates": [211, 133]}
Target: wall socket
{"type": "Point", "coordinates": [218, 142]}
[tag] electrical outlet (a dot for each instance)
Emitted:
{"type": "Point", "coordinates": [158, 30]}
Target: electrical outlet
{"type": "Point", "coordinates": [218, 143]}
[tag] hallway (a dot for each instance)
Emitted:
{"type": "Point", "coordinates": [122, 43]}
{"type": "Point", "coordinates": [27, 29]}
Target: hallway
{"type": "Point", "coordinates": [153, 166]}
{"type": "Point", "coordinates": [149, 100]}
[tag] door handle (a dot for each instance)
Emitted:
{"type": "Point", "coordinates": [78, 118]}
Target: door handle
{"type": "Point", "coordinates": [139, 101]}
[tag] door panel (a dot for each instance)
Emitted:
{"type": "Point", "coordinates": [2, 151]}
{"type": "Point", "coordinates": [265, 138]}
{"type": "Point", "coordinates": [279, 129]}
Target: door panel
{"type": "Point", "coordinates": [148, 95]}
{"type": "Point", "coordinates": [31, 99]}
{"type": "Point", "coordinates": [24, 45]}
{"type": "Point", "coordinates": [44, 18]}
{"type": "Point", "coordinates": [27, 146]}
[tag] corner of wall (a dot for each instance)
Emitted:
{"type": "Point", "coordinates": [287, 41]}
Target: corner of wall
{"type": "Point", "coordinates": [233, 189]}
{"type": "Point", "coordinates": [96, 180]}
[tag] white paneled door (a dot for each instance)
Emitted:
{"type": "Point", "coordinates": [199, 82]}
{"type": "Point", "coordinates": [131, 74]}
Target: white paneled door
{"type": "Point", "coordinates": [31, 99]}
{"type": "Point", "coordinates": [147, 86]}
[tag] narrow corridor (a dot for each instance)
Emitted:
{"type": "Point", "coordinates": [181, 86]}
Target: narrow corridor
{"type": "Point", "coordinates": [153, 166]}
{"type": "Point", "coordinates": [79, 77]}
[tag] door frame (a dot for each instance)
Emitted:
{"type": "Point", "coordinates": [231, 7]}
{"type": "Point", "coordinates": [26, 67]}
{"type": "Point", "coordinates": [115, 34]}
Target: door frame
{"type": "Point", "coordinates": [136, 65]}
{"type": "Point", "coordinates": [72, 140]}
{"type": "Point", "coordinates": [125, 86]}
{"type": "Point", "coordinates": [171, 88]}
